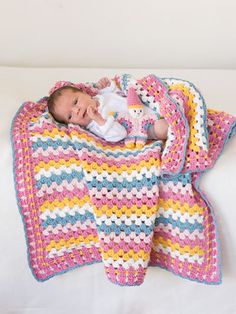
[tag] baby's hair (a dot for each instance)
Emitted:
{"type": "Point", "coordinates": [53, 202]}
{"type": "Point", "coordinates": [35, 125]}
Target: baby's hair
{"type": "Point", "coordinates": [52, 99]}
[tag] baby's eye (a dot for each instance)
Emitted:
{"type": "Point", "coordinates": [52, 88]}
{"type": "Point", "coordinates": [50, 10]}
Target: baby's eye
{"type": "Point", "coordinates": [69, 118]}
{"type": "Point", "coordinates": [75, 102]}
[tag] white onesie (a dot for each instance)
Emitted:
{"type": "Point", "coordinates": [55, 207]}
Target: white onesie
{"type": "Point", "coordinates": [109, 100]}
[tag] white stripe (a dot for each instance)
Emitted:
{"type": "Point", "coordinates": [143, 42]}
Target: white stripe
{"type": "Point", "coordinates": [177, 187]}
{"type": "Point", "coordinates": [129, 263]}
{"type": "Point", "coordinates": [175, 215]}
{"type": "Point", "coordinates": [53, 170]}
{"type": "Point", "coordinates": [144, 173]}
{"type": "Point", "coordinates": [62, 212]}
{"type": "Point", "coordinates": [125, 220]}
{"type": "Point", "coordinates": [199, 111]}
{"type": "Point", "coordinates": [54, 252]}
{"type": "Point", "coordinates": [196, 234]}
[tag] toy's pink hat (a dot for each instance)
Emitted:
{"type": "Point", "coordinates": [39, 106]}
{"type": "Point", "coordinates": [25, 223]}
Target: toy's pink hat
{"type": "Point", "coordinates": [85, 88]}
{"type": "Point", "coordinates": [133, 99]}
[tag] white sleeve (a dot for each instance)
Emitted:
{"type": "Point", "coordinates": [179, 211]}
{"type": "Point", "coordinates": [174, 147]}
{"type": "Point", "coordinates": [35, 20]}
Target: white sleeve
{"type": "Point", "coordinates": [111, 131]}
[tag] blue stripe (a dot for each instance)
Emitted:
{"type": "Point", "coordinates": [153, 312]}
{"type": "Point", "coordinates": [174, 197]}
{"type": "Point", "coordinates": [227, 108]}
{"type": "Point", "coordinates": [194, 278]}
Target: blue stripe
{"type": "Point", "coordinates": [54, 143]}
{"type": "Point", "coordinates": [59, 178]}
{"type": "Point", "coordinates": [177, 223]}
{"type": "Point", "coordinates": [68, 219]}
{"type": "Point", "coordinates": [125, 184]}
{"type": "Point", "coordinates": [126, 229]}
{"type": "Point", "coordinates": [178, 178]}
{"type": "Point", "coordinates": [76, 145]}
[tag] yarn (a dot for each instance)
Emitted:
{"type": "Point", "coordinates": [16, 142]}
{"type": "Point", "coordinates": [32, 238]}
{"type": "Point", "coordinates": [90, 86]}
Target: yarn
{"type": "Point", "coordinates": [84, 200]}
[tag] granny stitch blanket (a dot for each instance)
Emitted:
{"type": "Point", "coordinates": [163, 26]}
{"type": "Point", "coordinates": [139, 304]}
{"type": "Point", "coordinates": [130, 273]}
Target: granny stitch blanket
{"type": "Point", "coordinates": [84, 200]}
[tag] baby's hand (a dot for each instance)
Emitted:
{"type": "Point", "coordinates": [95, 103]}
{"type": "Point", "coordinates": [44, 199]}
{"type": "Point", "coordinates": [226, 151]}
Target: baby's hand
{"type": "Point", "coordinates": [103, 82]}
{"type": "Point", "coordinates": [95, 115]}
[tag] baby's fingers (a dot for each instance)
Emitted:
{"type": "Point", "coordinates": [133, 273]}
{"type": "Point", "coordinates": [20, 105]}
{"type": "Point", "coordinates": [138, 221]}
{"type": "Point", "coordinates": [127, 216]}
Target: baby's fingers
{"type": "Point", "coordinates": [90, 112]}
{"type": "Point", "coordinates": [103, 82]}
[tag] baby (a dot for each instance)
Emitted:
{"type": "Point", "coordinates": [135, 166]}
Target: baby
{"type": "Point", "coordinates": [70, 104]}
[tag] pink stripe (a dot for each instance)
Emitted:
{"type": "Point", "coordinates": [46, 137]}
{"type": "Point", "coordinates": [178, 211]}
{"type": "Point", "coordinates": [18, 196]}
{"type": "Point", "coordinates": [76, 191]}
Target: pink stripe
{"type": "Point", "coordinates": [59, 154]}
{"type": "Point", "coordinates": [194, 236]}
{"type": "Point", "coordinates": [149, 202]}
{"type": "Point", "coordinates": [66, 154]}
{"type": "Point", "coordinates": [126, 246]}
{"type": "Point", "coordinates": [119, 161]}
{"type": "Point", "coordinates": [48, 194]}
{"type": "Point", "coordinates": [144, 194]}
{"type": "Point", "coordinates": [196, 272]}
{"type": "Point", "coordinates": [56, 235]}
{"type": "Point", "coordinates": [179, 240]}
{"type": "Point", "coordinates": [131, 276]}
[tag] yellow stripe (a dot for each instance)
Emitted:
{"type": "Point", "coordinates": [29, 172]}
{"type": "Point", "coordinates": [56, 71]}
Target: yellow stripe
{"type": "Point", "coordinates": [176, 247]}
{"type": "Point", "coordinates": [62, 162]}
{"type": "Point", "coordinates": [72, 241]}
{"type": "Point", "coordinates": [212, 111]}
{"type": "Point", "coordinates": [180, 207]}
{"type": "Point", "coordinates": [50, 133]}
{"type": "Point", "coordinates": [124, 271]}
{"type": "Point", "coordinates": [55, 204]}
{"type": "Point", "coordinates": [56, 164]}
{"type": "Point", "coordinates": [123, 168]}
{"type": "Point", "coordinates": [55, 132]}
{"type": "Point", "coordinates": [191, 114]}
{"type": "Point", "coordinates": [126, 255]}
{"type": "Point", "coordinates": [99, 168]}
{"type": "Point", "coordinates": [105, 210]}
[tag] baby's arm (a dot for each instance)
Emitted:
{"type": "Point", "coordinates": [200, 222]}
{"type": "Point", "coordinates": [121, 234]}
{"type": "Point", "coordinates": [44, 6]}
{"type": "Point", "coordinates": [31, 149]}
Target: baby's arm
{"type": "Point", "coordinates": [109, 129]}
{"type": "Point", "coordinates": [159, 129]}
{"type": "Point", "coordinates": [106, 85]}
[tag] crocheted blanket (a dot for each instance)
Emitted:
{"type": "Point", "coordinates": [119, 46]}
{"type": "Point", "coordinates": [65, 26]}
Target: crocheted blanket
{"type": "Point", "coordinates": [84, 200]}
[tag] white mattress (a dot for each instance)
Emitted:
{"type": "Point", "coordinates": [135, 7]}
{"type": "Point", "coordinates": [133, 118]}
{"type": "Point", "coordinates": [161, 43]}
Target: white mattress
{"type": "Point", "coordinates": [86, 289]}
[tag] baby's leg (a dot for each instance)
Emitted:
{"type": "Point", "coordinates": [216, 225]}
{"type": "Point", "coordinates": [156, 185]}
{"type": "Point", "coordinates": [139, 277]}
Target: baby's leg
{"type": "Point", "coordinates": [158, 131]}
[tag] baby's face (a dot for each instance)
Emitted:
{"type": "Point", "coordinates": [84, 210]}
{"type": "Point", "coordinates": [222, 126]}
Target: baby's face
{"type": "Point", "coordinates": [71, 107]}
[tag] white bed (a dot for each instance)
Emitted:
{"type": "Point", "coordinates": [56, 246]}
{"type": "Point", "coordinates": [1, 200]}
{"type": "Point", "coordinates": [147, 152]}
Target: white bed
{"type": "Point", "coordinates": [86, 289]}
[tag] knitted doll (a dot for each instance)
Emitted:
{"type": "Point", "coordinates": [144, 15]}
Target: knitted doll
{"type": "Point", "coordinates": [135, 121]}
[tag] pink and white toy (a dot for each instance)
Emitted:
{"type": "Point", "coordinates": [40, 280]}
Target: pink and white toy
{"type": "Point", "coordinates": [135, 121]}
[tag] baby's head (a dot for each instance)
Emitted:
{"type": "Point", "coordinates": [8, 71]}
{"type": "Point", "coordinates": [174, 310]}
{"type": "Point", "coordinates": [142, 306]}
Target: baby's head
{"type": "Point", "coordinates": [68, 103]}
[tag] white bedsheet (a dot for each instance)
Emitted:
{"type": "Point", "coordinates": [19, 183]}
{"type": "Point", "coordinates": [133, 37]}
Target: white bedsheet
{"type": "Point", "coordinates": [86, 289]}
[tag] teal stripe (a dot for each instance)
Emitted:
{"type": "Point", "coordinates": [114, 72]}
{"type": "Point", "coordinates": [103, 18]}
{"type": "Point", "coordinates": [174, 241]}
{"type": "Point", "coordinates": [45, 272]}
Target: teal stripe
{"type": "Point", "coordinates": [68, 219]}
{"type": "Point", "coordinates": [76, 145]}
{"type": "Point", "coordinates": [60, 178]}
{"type": "Point", "coordinates": [126, 229]}
{"type": "Point", "coordinates": [177, 223]}
{"type": "Point", "coordinates": [125, 184]}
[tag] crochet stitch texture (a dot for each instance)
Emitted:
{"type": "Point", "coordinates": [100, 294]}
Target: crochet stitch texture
{"type": "Point", "coordinates": [84, 200]}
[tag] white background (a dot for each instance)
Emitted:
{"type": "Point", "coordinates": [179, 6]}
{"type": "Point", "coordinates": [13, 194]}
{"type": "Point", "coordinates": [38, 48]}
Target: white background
{"type": "Point", "coordinates": [118, 33]}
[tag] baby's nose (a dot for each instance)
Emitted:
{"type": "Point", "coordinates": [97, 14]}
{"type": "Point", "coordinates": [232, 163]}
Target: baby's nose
{"type": "Point", "coordinates": [75, 110]}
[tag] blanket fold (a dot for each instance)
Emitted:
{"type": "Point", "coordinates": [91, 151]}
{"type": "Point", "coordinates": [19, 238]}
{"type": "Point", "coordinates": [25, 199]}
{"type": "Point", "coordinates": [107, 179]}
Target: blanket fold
{"type": "Point", "coordinates": [84, 200]}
